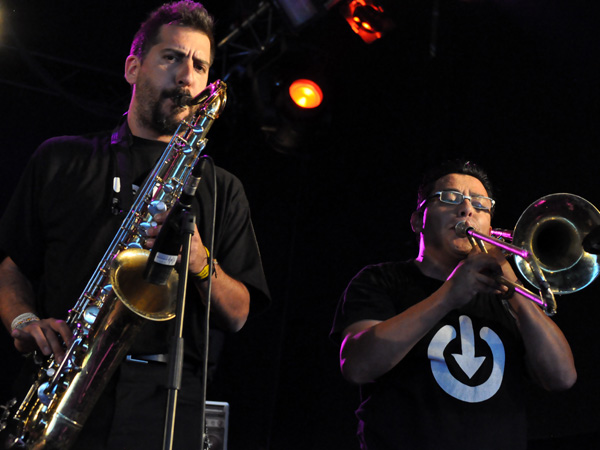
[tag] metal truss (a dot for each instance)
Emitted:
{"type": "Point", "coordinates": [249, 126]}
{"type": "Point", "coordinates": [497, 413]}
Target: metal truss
{"type": "Point", "coordinates": [93, 89]}
{"type": "Point", "coordinates": [248, 41]}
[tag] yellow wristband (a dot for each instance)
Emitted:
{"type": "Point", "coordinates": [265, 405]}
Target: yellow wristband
{"type": "Point", "coordinates": [203, 274]}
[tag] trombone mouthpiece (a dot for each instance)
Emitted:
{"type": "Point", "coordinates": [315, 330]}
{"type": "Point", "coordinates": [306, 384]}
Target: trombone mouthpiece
{"type": "Point", "coordinates": [462, 228]}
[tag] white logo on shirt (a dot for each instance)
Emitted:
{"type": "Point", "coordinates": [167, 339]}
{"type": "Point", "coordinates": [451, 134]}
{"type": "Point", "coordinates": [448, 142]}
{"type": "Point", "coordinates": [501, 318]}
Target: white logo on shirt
{"type": "Point", "coordinates": [467, 361]}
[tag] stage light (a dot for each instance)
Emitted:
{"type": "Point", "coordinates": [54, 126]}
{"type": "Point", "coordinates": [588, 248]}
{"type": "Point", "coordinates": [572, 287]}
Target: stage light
{"type": "Point", "coordinates": [293, 114]}
{"type": "Point", "coordinates": [291, 99]}
{"type": "Point", "coordinates": [306, 93]}
{"type": "Point", "coordinates": [300, 114]}
{"type": "Point", "coordinates": [367, 19]}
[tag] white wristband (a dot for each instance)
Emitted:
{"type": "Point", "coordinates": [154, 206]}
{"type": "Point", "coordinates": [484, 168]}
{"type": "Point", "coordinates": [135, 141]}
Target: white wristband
{"type": "Point", "coordinates": [22, 320]}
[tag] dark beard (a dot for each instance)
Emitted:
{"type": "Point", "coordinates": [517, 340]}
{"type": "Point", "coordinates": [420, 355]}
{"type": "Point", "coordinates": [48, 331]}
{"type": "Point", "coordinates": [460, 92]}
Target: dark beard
{"type": "Point", "coordinates": [154, 117]}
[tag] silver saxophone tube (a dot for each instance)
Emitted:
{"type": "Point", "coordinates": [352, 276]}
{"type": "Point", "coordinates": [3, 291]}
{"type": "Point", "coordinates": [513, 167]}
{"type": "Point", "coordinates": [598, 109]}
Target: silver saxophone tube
{"type": "Point", "coordinates": [114, 304]}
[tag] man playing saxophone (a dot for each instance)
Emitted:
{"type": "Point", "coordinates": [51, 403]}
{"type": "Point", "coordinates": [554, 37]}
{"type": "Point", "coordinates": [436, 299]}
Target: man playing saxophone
{"type": "Point", "coordinates": [69, 204]}
{"type": "Point", "coordinates": [441, 350]}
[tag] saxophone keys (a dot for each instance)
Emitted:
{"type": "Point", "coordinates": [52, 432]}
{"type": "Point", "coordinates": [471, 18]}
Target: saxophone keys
{"type": "Point", "coordinates": [42, 394]}
{"type": "Point", "coordinates": [90, 313]}
{"type": "Point", "coordinates": [156, 206]}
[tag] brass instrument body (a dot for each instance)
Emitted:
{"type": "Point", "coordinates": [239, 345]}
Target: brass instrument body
{"type": "Point", "coordinates": [554, 227]}
{"type": "Point", "coordinates": [115, 303]}
{"type": "Point", "coordinates": [547, 244]}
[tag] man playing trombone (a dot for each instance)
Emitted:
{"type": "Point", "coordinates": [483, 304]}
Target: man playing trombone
{"type": "Point", "coordinates": [439, 346]}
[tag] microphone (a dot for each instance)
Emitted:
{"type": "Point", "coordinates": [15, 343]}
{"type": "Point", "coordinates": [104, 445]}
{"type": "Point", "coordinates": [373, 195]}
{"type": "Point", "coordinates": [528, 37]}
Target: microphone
{"type": "Point", "coordinates": [591, 243]}
{"type": "Point", "coordinates": [165, 251]}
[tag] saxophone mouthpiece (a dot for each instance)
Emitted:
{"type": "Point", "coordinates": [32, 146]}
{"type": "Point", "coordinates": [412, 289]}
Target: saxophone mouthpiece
{"type": "Point", "coordinates": [202, 96]}
{"type": "Point", "coordinates": [184, 100]}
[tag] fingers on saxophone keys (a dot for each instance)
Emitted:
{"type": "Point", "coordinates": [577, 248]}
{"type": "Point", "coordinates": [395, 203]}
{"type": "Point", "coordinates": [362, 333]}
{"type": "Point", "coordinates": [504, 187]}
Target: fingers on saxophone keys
{"type": "Point", "coordinates": [157, 206]}
{"type": "Point", "coordinates": [148, 229]}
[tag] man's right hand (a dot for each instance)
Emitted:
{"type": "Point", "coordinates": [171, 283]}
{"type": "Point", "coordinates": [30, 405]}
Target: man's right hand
{"type": "Point", "coordinates": [475, 274]}
{"type": "Point", "coordinates": [46, 335]}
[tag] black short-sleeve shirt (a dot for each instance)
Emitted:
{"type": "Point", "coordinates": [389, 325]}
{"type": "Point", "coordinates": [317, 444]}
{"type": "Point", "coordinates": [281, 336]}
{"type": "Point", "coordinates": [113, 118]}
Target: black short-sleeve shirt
{"type": "Point", "coordinates": [59, 223]}
{"type": "Point", "coordinates": [459, 387]}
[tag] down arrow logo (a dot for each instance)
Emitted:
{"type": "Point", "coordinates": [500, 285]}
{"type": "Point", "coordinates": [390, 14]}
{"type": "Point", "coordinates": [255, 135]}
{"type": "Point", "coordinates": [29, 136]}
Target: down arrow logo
{"type": "Point", "coordinates": [467, 361]}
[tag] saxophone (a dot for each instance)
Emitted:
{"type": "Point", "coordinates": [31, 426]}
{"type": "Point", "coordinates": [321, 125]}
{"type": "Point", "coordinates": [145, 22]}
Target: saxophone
{"type": "Point", "coordinates": [115, 303]}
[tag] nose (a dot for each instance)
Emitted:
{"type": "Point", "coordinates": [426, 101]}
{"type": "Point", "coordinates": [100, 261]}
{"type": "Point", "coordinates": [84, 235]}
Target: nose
{"type": "Point", "coordinates": [185, 73]}
{"type": "Point", "coordinates": [465, 209]}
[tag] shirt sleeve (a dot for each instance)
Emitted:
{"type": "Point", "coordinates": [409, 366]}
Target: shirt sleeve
{"type": "Point", "coordinates": [21, 232]}
{"type": "Point", "coordinates": [367, 297]}
{"type": "Point", "coordinates": [235, 247]}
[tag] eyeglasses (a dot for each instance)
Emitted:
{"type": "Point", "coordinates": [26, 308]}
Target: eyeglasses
{"type": "Point", "coordinates": [456, 198]}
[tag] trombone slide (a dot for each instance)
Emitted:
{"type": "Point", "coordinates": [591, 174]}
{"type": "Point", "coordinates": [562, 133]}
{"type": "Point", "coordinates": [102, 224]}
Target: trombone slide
{"type": "Point", "coordinates": [545, 299]}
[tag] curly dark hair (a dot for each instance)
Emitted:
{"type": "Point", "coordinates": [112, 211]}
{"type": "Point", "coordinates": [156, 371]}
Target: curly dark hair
{"type": "Point", "coordinates": [185, 13]}
{"type": "Point", "coordinates": [453, 166]}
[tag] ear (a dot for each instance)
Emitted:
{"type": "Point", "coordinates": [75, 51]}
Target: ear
{"type": "Point", "coordinates": [416, 221]}
{"type": "Point", "coordinates": [132, 68]}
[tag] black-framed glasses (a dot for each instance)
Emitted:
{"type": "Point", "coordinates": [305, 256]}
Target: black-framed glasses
{"type": "Point", "coordinates": [456, 198]}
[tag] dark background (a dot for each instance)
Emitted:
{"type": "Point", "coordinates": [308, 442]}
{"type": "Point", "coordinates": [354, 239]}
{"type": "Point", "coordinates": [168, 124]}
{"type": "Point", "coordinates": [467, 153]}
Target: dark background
{"type": "Point", "coordinates": [514, 85]}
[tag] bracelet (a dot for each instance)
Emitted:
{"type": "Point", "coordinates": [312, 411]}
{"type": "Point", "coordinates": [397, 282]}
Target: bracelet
{"type": "Point", "coordinates": [203, 274]}
{"type": "Point", "coordinates": [22, 320]}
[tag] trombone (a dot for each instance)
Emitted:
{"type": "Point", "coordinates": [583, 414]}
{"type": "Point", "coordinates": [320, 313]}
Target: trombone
{"type": "Point", "coordinates": [547, 247]}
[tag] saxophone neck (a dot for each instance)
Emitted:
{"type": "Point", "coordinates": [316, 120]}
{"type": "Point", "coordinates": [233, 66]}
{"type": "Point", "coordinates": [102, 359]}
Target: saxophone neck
{"type": "Point", "coordinates": [211, 93]}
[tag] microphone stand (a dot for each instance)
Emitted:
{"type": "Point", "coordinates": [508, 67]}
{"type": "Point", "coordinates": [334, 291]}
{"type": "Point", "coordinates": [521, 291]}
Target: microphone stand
{"type": "Point", "coordinates": [188, 223]}
{"type": "Point", "coordinates": [176, 351]}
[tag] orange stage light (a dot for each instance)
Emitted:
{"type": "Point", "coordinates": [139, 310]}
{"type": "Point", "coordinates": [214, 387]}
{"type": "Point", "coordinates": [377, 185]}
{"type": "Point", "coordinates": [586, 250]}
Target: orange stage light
{"type": "Point", "coordinates": [306, 93]}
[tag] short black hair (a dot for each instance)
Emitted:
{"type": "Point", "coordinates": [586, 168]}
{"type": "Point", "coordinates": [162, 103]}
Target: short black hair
{"type": "Point", "coordinates": [458, 166]}
{"type": "Point", "coordinates": [185, 13]}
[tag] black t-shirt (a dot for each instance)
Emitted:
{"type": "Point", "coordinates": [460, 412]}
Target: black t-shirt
{"type": "Point", "coordinates": [59, 224]}
{"type": "Point", "coordinates": [460, 387]}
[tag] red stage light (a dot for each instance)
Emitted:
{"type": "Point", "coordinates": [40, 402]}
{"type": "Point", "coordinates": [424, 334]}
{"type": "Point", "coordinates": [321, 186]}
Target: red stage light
{"type": "Point", "coordinates": [367, 19]}
{"type": "Point", "coordinates": [306, 93]}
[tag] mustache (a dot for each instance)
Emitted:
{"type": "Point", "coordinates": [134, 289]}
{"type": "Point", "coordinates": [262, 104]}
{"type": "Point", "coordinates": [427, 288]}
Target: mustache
{"type": "Point", "coordinates": [180, 96]}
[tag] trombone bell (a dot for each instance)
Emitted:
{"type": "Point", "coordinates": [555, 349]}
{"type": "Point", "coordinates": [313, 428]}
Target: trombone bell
{"type": "Point", "coordinates": [552, 229]}
{"type": "Point", "coordinates": [547, 244]}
